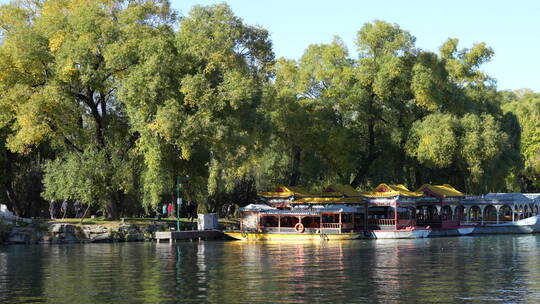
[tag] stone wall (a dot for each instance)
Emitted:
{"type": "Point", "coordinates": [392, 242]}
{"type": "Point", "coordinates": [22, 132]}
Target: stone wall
{"type": "Point", "coordinates": [59, 233]}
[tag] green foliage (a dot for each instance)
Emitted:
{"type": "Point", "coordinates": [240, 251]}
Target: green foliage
{"type": "Point", "coordinates": [434, 141]}
{"type": "Point", "coordinates": [66, 62]}
{"type": "Point", "coordinates": [91, 176]}
{"type": "Point", "coordinates": [525, 105]}
{"type": "Point", "coordinates": [472, 142]}
{"type": "Point", "coordinates": [110, 101]}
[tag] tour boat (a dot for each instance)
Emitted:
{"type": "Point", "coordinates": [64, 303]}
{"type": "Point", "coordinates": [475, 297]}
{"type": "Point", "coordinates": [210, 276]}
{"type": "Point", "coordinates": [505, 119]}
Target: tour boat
{"type": "Point", "coordinates": [440, 208]}
{"type": "Point", "coordinates": [392, 213]}
{"type": "Point", "coordinates": [387, 212]}
{"type": "Point", "coordinates": [497, 213]}
{"type": "Point", "coordinates": [263, 222]}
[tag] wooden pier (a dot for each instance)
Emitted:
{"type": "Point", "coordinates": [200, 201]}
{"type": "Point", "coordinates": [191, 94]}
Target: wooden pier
{"type": "Point", "coordinates": [188, 235]}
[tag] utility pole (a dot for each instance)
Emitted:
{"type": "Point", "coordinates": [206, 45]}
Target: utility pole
{"type": "Point", "coordinates": [179, 181]}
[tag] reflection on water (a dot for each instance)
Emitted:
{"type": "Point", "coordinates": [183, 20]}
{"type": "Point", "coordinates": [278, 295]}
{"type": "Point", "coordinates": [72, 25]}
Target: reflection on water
{"type": "Point", "coordinates": [457, 270]}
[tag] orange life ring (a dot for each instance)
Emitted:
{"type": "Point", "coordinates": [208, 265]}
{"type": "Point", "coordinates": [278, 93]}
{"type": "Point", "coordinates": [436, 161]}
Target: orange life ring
{"type": "Point", "coordinates": [299, 228]}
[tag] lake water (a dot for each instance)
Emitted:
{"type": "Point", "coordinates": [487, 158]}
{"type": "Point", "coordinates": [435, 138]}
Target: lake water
{"type": "Point", "coordinates": [486, 269]}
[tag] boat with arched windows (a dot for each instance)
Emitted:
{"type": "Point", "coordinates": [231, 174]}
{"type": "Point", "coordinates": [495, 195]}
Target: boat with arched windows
{"type": "Point", "coordinates": [386, 212]}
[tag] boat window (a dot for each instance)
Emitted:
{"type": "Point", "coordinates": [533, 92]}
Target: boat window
{"type": "Point", "coordinates": [269, 221]}
{"type": "Point", "coordinates": [330, 218]}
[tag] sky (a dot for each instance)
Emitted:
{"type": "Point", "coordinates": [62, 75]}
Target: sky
{"type": "Point", "coordinates": [511, 28]}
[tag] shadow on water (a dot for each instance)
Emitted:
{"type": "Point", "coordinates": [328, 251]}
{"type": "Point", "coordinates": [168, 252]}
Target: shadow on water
{"type": "Point", "coordinates": [483, 269]}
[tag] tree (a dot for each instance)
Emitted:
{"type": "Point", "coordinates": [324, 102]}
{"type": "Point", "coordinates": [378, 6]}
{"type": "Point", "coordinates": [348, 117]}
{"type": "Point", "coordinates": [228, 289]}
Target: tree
{"type": "Point", "coordinates": [20, 180]}
{"type": "Point", "coordinates": [356, 118]}
{"type": "Point", "coordinates": [525, 105]}
{"type": "Point", "coordinates": [309, 134]}
{"type": "Point", "coordinates": [204, 121]}
{"type": "Point", "coordinates": [469, 144]}
{"type": "Point", "coordinates": [63, 63]}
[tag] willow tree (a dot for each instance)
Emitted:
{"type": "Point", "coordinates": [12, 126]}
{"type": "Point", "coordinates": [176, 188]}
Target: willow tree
{"type": "Point", "coordinates": [308, 126]}
{"type": "Point", "coordinates": [463, 132]}
{"type": "Point", "coordinates": [62, 64]}
{"type": "Point", "coordinates": [373, 119]}
{"type": "Point", "coordinates": [465, 147]}
{"type": "Point", "coordinates": [525, 105]}
{"type": "Point", "coordinates": [200, 114]}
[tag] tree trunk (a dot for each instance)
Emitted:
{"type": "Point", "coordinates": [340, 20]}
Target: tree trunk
{"type": "Point", "coordinates": [13, 201]}
{"type": "Point", "coordinates": [363, 167]}
{"type": "Point", "coordinates": [85, 213]}
{"type": "Point", "coordinates": [295, 172]}
{"type": "Point", "coordinates": [111, 209]}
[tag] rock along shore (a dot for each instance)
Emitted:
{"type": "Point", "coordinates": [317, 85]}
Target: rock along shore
{"type": "Point", "coordinates": [60, 233]}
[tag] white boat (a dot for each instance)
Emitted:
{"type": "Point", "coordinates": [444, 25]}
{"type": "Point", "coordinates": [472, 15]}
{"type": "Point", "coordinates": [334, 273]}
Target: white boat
{"type": "Point", "coordinates": [527, 225]}
{"type": "Point", "coordinates": [416, 233]}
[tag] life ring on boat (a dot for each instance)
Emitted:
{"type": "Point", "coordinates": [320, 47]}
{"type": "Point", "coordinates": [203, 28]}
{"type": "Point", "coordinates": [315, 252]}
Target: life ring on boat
{"type": "Point", "coordinates": [299, 228]}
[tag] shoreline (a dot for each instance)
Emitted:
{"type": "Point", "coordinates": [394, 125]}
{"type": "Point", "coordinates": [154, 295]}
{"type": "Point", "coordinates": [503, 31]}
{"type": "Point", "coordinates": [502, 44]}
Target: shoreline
{"type": "Point", "coordinates": [70, 231]}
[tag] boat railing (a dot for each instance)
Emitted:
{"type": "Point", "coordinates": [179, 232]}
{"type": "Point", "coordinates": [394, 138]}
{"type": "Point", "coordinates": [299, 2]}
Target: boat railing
{"type": "Point", "coordinates": [333, 229]}
{"type": "Point", "coordinates": [381, 222]}
{"type": "Point", "coordinates": [331, 225]}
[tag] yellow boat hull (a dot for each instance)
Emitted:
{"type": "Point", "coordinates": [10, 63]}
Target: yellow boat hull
{"type": "Point", "coordinates": [239, 235]}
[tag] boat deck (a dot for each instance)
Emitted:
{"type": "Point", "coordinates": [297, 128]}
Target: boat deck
{"type": "Point", "coordinates": [172, 236]}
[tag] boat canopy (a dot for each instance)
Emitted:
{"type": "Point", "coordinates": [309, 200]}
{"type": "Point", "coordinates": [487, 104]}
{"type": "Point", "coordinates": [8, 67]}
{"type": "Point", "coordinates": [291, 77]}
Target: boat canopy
{"type": "Point", "coordinates": [440, 191]}
{"type": "Point", "coordinates": [329, 200]}
{"type": "Point", "coordinates": [384, 190]}
{"type": "Point", "coordinates": [256, 207]}
{"type": "Point", "coordinates": [286, 191]}
{"type": "Point", "coordinates": [512, 196]}
{"type": "Point", "coordinates": [310, 211]}
{"type": "Point", "coordinates": [342, 190]}
{"type": "Point", "coordinates": [335, 194]}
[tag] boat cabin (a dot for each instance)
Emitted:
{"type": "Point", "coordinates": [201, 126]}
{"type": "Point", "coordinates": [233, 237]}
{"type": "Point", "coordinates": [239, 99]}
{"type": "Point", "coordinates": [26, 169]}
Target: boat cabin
{"type": "Point", "coordinates": [439, 207]}
{"type": "Point", "coordinates": [313, 219]}
{"type": "Point", "coordinates": [385, 200]}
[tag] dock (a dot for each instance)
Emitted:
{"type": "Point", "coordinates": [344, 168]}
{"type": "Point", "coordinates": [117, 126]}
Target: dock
{"type": "Point", "coordinates": [191, 235]}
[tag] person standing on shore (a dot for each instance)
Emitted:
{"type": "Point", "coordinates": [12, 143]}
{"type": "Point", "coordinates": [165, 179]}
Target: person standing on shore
{"type": "Point", "coordinates": [52, 209]}
{"type": "Point", "coordinates": [169, 210]}
{"type": "Point", "coordinates": [164, 211]}
{"type": "Point", "coordinates": [64, 208]}
{"type": "Point", "coordinates": [77, 208]}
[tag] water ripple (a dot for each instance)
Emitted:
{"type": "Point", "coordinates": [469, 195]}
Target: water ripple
{"type": "Point", "coordinates": [489, 269]}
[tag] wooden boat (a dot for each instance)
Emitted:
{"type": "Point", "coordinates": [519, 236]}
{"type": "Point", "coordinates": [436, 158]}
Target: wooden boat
{"type": "Point", "coordinates": [262, 222]}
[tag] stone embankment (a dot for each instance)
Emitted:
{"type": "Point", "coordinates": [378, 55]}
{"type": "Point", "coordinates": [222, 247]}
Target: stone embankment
{"type": "Point", "coordinates": [59, 233]}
